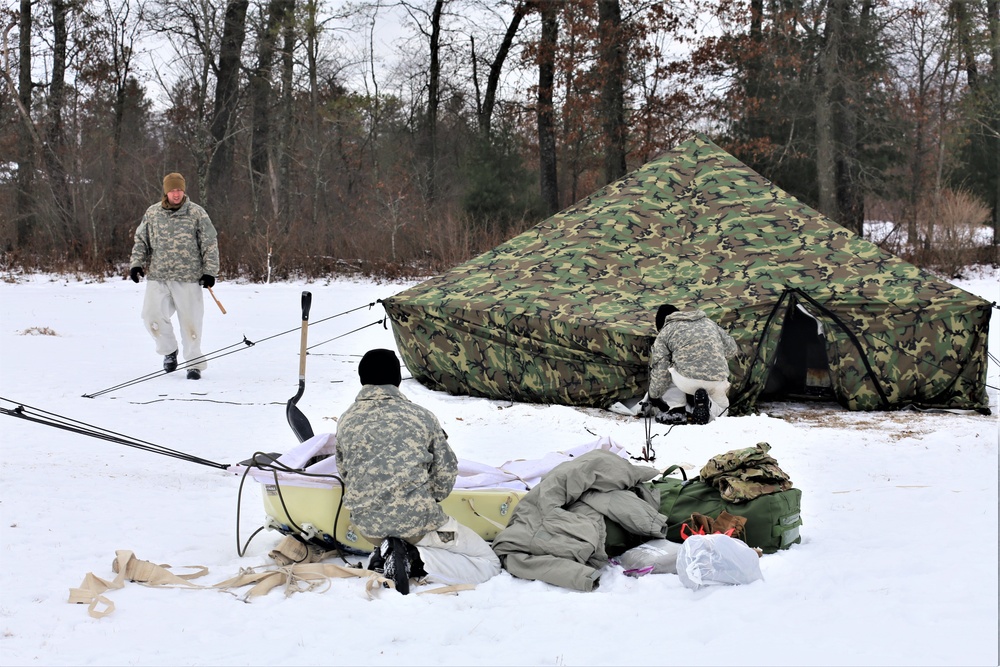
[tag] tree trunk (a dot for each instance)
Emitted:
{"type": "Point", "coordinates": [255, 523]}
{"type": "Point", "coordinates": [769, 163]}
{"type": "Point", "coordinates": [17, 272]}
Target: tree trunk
{"type": "Point", "coordinates": [26, 140]}
{"type": "Point", "coordinates": [966, 48]}
{"type": "Point", "coordinates": [260, 104]}
{"type": "Point", "coordinates": [55, 141]}
{"type": "Point", "coordinates": [220, 168]}
{"type": "Point", "coordinates": [433, 95]}
{"type": "Point", "coordinates": [546, 123]}
{"type": "Point", "coordinates": [612, 57]}
{"type": "Point", "coordinates": [284, 150]}
{"type": "Point", "coordinates": [312, 66]}
{"type": "Point", "coordinates": [854, 40]}
{"type": "Point", "coordinates": [993, 16]}
{"type": "Point", "coordinates": [826, 153]}
{"type": "Point", "coordinates": [755, 71]}
{"type": "Point", "coordinates": [496, 67]}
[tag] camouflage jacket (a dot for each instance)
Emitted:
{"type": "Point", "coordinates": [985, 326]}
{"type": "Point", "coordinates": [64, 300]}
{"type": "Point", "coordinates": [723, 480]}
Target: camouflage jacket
{"type": "Point", "coordinates": [396, 464]}
{"type": "Point", "coordinates": [741, 475]}
{"type": "Point", "coordinates": [177, 244]}
{"type": "Point", "coordinates": [693, 344]}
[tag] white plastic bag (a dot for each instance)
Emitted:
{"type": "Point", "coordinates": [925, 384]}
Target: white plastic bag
{"type": "Point", "coordinates": [652, 557]}
{"type": "Point", "coordinates": [706, 560]}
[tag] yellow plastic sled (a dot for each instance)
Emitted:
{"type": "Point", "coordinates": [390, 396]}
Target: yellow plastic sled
{"type": "Point", "coordinates": [318, 516]}
{"type": "Point", "coordinates": [302, 495]}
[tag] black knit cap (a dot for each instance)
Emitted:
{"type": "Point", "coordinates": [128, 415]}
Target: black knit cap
{"type": "Point", "coordinates": [661, 314]}
{"type": "Point", "coordinates": [380, 366]}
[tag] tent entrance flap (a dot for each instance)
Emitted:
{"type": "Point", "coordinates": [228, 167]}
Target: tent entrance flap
{"type": "Point", "coordinates": [801, 369]}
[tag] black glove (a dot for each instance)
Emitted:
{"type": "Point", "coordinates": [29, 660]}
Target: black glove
{"type": "Point", "coordinates": [207, 281]}
{"type": "Point", "coordinates": [135, 273]}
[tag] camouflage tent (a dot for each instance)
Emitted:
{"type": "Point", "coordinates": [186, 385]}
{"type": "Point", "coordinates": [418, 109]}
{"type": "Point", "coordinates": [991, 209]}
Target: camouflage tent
{"type": "Point", "coordinates": [564, 313]}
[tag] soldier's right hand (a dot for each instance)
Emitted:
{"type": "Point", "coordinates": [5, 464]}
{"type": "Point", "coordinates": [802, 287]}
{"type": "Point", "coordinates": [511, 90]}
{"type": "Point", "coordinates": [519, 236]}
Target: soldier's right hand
{"type": "Point", "coordinates": [135, 273]}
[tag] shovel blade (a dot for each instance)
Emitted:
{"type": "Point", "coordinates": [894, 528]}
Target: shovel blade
{"type": "Point", "coordinates": [298, 421]}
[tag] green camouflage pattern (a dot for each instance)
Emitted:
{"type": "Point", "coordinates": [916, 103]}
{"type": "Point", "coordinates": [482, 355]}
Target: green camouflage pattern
{"type": "Point", "coordinates": [176, 244]}
{"type": "Point", "coordinates": [741, 475]}
{"type": "Point", "coordinates": [396, 465]}
{"type": "Point", "coordinates": [564, 313]}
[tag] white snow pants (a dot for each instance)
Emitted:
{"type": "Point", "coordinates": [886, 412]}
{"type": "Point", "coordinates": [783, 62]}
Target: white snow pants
{"type": "Point", "coordinates": [456, 554]}
{"type": "Point", "coordinates": [162, 300]}
{"type": "Point", "coordinates": [676, 395]}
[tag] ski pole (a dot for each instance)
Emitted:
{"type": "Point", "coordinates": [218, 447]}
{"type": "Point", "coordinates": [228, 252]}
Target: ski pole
{"type": "Point", "coordinates": [217, 302]}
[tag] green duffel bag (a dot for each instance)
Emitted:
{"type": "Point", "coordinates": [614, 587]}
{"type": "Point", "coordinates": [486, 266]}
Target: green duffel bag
{"type": "Point", "coordinates": [773, 519]}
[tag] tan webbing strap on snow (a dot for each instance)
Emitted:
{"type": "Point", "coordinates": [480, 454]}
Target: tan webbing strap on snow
{"type": "Point", "coordinates": [312, 576]}
{"type": "Point", "coordinates": [454, 588]}
{"type": "Point", "coordinates": [90, 592]}
{"type": "Point", "coordinates": [295, 578]}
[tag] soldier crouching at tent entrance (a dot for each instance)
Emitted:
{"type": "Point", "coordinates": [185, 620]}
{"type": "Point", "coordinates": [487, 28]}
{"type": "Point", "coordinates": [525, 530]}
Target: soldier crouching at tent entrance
{"type": "Point", "coordinates": [688, 367]}
{"type": "Point", "coordinates": [397, 467]}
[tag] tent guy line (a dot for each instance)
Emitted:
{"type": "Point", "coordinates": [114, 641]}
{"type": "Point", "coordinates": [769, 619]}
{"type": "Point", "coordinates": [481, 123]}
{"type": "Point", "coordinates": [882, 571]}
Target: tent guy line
{"type": "Point", "coordinates": [246, 343]}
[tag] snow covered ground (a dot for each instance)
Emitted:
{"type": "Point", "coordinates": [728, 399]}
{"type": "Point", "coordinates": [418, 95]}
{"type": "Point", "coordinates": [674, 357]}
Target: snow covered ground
{"type": "Point", "coordinates": [898, 564]}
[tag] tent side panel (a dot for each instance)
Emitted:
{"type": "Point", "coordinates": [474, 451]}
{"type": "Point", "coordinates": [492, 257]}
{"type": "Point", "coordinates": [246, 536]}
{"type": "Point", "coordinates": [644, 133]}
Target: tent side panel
{"type": "Point", "coordinates": [938, 361]}
{"type": "Point", "coordinates": [493, 354]}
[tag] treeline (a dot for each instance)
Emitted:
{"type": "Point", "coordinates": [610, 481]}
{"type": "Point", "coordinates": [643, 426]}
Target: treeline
{"type": "Point", "coordinates": [316, 150]}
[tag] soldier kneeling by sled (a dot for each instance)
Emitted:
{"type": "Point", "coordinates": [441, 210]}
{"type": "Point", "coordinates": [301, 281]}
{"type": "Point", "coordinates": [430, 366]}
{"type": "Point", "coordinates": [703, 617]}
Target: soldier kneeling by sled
{"type": "Point", "coordinates": [688, 367]}
{"type": "Point", "coordinates": [397, 466]}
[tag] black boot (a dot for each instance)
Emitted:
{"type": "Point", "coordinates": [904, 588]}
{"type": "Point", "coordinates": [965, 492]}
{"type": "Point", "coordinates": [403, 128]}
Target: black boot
{"type": "Point", "coordinates": [700, 414]}
{"type": "Point", "coordinates": [397, 563]}
{"type": "Point", "coordinates": [672, 416]}
{"type": "Point", "coordinates": [170, 362]}
{"type": "Point", "coordinates": [377, 561]}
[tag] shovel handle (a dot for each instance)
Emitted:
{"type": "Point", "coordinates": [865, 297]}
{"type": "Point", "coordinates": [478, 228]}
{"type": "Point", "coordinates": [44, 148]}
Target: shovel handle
{"type": "Point", "coordinates": [307, 299]}
{"type": "Point", "coordinates": [306, 304]}
{"type": "Point", "coordinates": [217, 302]}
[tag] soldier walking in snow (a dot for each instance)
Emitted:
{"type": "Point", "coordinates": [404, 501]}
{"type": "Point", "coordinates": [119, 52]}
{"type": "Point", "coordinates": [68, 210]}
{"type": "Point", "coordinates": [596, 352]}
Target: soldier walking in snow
{"type": "Point", "coordinates": [178, 243]}
{"type": "Point", "coordinates": [689, 360]}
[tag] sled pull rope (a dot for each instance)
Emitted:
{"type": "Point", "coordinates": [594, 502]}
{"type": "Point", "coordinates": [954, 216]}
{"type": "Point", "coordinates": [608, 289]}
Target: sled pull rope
{"type": "Point", "coordinates": [39, 416]}
{"type": "Point", "coordinates": [275, 467]}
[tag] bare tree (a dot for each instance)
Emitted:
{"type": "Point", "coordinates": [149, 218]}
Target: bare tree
{"type": "Point", "coordinates": [193, 28]}
{"type": "Point", "coordinates": [281, 184]}
{"type": "Point", "coordinates": [612, 48]}
{"type": "Point", "coordinates": [545, 109]}
{"type": "Point", "coordinates": [27, 137]}
{"type": "Point", "coordinates": [55, 139]}
{"type": "Point", "coordinates": [227, 89]}
{"type": "Point", "coordinates": [993, 17]}
{"type": "Point", "coordinates": [828, 78]}
{"type": "Point", "coordinates": [484, 111]}
{"type": "Point", "coordinates": [278, 13]}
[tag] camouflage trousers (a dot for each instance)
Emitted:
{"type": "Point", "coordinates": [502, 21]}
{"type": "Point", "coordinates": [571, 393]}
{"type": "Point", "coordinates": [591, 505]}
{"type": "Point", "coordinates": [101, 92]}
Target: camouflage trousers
{"type": "Point", "coordinates": [681, 387]}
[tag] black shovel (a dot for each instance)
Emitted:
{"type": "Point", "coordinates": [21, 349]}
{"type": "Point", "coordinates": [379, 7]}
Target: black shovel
{"type": "Point", "coordinates": [298, 421]}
